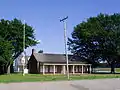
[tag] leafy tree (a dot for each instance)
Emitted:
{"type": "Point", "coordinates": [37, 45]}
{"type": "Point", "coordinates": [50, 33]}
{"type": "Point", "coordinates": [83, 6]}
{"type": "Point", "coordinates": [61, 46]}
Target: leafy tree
{"type": "Point", "coordinates": [12, 31]}
{"type": "Point", "coordinates": [97, 39]}
{"type": "Point", "coordinates": [5, 55]}
{"type": "Point", "coordinates": [17, 35]}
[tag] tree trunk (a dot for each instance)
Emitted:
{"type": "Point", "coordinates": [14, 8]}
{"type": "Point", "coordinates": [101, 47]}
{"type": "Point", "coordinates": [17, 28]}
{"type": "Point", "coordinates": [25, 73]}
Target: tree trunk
{"type": "Point", "coordinates": [113, 67]}
{"type": "Point", "coordinates": [1, 70]}
{"type": "Point", "coordinates": [11, 68]}
{"type": "Point", "coordinates": [8, 69]}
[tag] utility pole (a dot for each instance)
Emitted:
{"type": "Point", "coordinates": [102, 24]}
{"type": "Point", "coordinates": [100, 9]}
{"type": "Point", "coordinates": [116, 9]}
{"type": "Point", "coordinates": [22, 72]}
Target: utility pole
{"type": "Point", "coordinates": [24, 54]}
{"type": "Point", "coordinates": [65, 41]}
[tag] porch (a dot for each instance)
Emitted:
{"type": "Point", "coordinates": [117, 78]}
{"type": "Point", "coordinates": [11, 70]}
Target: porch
{"type": "Point", "coordinates": [47, 68]}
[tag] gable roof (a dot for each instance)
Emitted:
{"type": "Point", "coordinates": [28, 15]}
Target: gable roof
{"type": "Point", "coordinates": [55, 58]}
{"type": "Point", "coordinates": [49, 57]}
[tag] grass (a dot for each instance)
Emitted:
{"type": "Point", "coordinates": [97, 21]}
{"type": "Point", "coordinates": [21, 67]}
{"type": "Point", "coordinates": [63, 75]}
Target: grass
{"type": "Point", "coordinates": [40, 78]}
{"type": "Point", "coordinates": [117, 70]}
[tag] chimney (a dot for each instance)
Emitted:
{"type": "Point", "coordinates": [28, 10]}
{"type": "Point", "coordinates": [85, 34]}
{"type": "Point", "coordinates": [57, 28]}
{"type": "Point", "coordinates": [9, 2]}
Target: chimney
{"type": "Point", "coordinates": [33, 51]}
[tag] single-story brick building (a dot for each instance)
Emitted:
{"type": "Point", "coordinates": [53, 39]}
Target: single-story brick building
{"type": "Point", "coordinates": [56, 63]}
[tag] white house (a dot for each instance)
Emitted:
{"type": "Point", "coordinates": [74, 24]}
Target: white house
{"type": "Point", "coordinates": [18, 66]}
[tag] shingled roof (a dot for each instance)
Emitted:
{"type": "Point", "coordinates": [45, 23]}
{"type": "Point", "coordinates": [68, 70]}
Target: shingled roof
{"type": "Point", "coordinates": [55, 58]}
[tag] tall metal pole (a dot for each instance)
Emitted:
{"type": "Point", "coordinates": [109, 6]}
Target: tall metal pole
{"type": "Point", "coordinates": [23, 46]}
{"type": "Point", "coordinates": [65, 41]}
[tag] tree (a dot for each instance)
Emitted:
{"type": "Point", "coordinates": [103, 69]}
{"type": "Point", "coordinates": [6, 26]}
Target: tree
{"type": "Point", "coordinates": [97, 39]}
{"type": "Point", "coordinates": [5, 55]}
{"type": "Point", "coordinates": [40, 51]}
{"type": "Point", "coordinates": [17, 35]}
{"type": "Point", "coordinates": [12, 31]}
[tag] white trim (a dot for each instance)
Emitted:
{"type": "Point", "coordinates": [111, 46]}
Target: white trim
{"type": "Point", "coordinates": [64, 69]}
{"type": "Point", "coordinates": [38, 67]}
{"type": "Point", "coordinates": [82, 69]}
{"type": "Point", "coordinates": [54, 69]}
{"type": "Point", "coordinates": [90, 69]}
{"type": "Point", "coordinates": [65, 64]}
{"type": "Point", "coordinates": [73, 69]}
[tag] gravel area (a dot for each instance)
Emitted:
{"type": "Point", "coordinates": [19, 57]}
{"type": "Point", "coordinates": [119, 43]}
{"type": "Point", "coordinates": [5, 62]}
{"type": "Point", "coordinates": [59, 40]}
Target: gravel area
{"type": "Point", "coordinates": [98, 84]}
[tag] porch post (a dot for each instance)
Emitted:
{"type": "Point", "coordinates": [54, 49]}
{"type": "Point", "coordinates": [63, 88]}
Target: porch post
{"type": "Point", "coordinates": [73, 69]}
{"type": "Point", "coordinates": [43, 69]}
{"type": "Point", "coordinates": [53, 69]}
{"type": "Point", "coordinates": [38, 67]}
{"type": "Point", "coordinates": [90, 69]}
{"type": "Point", "coordinates": [64, 69]}
{"type": "Point", "coordinates": [82, 69]}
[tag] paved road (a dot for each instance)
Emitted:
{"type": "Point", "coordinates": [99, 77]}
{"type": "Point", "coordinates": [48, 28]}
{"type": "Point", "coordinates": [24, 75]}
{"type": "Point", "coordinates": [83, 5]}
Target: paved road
{"type": "Point", "coordinates": [106, 84]}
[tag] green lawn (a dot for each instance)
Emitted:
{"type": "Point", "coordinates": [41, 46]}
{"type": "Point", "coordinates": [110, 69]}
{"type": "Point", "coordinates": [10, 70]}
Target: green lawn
{"type": "Point", "coordinates": [38, 77]}
{"type": "Point", "coordinates": [117, 70]}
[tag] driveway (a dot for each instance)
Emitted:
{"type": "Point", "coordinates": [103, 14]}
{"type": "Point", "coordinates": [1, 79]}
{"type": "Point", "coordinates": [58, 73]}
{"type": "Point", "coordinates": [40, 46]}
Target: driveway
{"type": "Point", "coordinates": [99, 84]}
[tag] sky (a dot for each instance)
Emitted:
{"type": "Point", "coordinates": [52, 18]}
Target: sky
{"type": "Point", "coordinates": [44, 16]}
